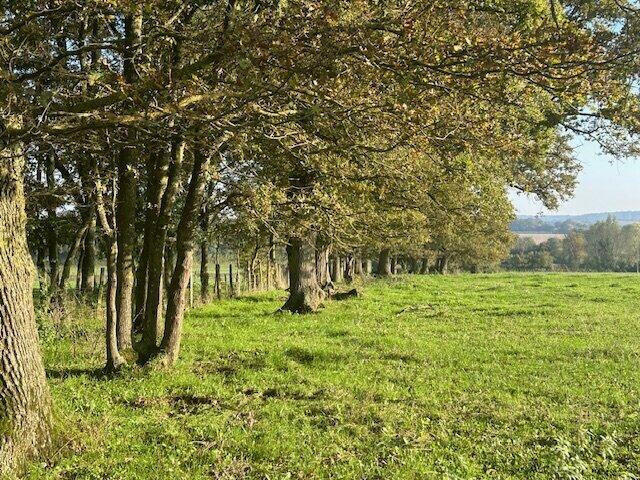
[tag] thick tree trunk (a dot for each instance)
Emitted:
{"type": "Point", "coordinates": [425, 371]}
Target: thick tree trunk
{"type": "Point", "coordinates": [204, 271]}
{"type": "Point", "coordinates": [394, 265]}
{"type": "Point", "coordinates": [126, 235]}
{"type": "Point", "coordinates": [305, 294]}
{"type": "Point", "coordinates": [24, 396]}
{"type": "Point", "coordinates": [158, 239]}
{"type": "Point", "coordinates": [383, 263]}
{"type": "Point", "coordinates": [170, 345]}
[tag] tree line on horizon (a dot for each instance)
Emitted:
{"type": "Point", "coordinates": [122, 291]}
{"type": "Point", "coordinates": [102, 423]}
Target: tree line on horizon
{"type": "Point", "coordinates": [605, 246]}
{"type": "Point", "coordinates": [139, 134]}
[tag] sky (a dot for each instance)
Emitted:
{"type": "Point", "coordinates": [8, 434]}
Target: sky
{"type": "Point", "coordinates": [604, 185]}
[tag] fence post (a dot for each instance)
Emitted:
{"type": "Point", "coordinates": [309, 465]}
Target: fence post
{"type": "Point", "coordinates": [218, 280]}
{"type": "Point", "coordinates": [191, 288]}
{"type": "Point", "coordinates": [231, 292]}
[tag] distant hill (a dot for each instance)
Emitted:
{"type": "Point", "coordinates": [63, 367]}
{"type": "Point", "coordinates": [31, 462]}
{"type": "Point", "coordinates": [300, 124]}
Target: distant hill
{"type": "Point", "coordinates": [587, 218]}
{"type": "Point", "coordinates": [561, 224]}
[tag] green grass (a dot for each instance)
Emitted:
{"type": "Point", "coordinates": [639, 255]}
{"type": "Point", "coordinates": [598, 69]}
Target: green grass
{"type": "Point", "coordinates": [474, 376]}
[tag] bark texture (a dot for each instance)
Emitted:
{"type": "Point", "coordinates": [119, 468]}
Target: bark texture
{"type": "Point", "coordinates": [126, 237]}
{"type": "Point", "coordinates": [168, 181]}
{"type": "Point", "coordinates": [114, 359]}
{"type": "Point", "coordinates": [170, 345]}
{"type": "Point", "coordinates": [305, 294]}
{"type": "Point", "coordinates": [25, 407]}
{"type": "Point", "coordinates": [159, 165]}
{"type": "Point", "coordinates": [127, 192]}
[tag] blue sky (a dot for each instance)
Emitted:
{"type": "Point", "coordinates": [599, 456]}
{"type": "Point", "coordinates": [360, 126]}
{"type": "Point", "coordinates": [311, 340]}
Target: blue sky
{"type": "Point", "coordinates": [604, 185]}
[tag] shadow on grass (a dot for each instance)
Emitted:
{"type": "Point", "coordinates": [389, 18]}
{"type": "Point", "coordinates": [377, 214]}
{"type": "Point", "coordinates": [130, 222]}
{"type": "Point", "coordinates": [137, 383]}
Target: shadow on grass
{"type": "Point", "coordinates": [92, 373]}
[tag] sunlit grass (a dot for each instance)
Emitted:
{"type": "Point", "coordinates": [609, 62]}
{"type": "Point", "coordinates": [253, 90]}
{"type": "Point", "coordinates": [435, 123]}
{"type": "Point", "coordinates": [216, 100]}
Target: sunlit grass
{"type": "Point", "coordinates": [473, 376]}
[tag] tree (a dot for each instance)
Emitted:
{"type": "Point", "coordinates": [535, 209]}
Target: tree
{"type": "Point", "coordinates": [574, 246]}
{"type": "Point", "coordinates": [24, 395]}
{"type": "Point", "coordinates": [603, 245]}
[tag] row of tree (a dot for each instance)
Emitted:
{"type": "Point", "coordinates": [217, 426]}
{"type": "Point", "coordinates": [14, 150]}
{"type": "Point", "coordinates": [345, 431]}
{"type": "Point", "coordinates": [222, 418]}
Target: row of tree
{"type": "Point", "coordinates": [603, 247]}
{"type": "Point", "coordinates": [339, 129]}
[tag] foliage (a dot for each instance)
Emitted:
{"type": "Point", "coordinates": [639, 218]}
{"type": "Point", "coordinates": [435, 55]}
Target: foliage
{"type": "Point", "coordinates": [604, 246]}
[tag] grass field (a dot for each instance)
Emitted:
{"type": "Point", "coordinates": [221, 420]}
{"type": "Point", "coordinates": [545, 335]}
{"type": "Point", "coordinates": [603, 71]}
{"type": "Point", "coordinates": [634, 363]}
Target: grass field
{"type": "Point", "coordinates": [472, 376]}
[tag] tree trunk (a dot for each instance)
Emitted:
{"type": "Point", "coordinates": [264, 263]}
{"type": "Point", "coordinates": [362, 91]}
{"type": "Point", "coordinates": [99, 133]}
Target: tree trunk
{"type": "Point", "coordinates": [78, 270]}
{"type": "Point", "coordinates": [89, 255]}
{"type": "Point", "coordinates": [383, 263]}
{"type": "Point", "coordinates": [40, 268]}
{"type": "Point", "coordinates": [348, 268]}
{"type": "Point", "coordinates": [126, 237]}
{"type": "Point", "coordinates": [114, 359]}
{"type": "Point", "coordinates": [357, 265]}
{"type": "Point", "coordinates": [127, 193]}
{"type": "Point", "coordinates": [305, 294]}
{"type": "Point", "coordinates": [322, 262]}
{"type": "Point", "coordinates": [25, 407]}
{"type": "Point", "coordinates": [158, 165]}
{"type": "Point", "coordinates": [336, 267]}
{"type": "Point", "coordinates": [169, 263]}
{"type": "Point", "coordinates": [52, 235]}
{"type": "Point", "coordinates": [170, 345]}
{"type": "Point", "coordinates": [394, 264]}
{"type": "Point", "coordinates": [218, 281]}
{"type": "Point", "coordinates": [271, 261]}
{"type": "Point", "coordinates": [73, 249]}
{"type": "Point", "coordinates": [157, 243]}
{"type": "Point", "coordinates": [413, 265]}
{"type": "Point", "coordinates": [424, 267]}
{"type": "Point", "coordinates": [204, 271]}
{"type": "Point", "coordinates": [442, 264]}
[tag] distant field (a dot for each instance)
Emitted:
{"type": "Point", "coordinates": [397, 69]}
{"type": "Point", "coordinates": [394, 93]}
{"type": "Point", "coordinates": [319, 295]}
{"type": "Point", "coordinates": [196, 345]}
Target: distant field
{"type": "Point", "coordinates": [527, 376]}
{"type": "Point", "coordinates": [541, 237]}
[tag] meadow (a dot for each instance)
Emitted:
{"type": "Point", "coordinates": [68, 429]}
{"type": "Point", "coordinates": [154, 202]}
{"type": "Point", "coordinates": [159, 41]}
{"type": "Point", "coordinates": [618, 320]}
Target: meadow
{"type": "Point", "coordinates": [422, 377]}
